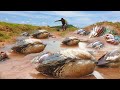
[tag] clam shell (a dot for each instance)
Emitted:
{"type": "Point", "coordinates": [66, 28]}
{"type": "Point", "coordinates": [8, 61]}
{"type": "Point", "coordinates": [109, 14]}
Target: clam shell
{"type": "Point", "coordinates": [75, 69]}
{"type": "Point", "coordinates": [110, 59]}
{"type": "Point", "coordinates": [40, 34]}
{"type": "Point", "coordinates": [96, 44]}
{"type": "Point", "coordinates": [3, 56]}
{"type": "Point", "coordinates": [33, 49]}
{"type": "Point", "coordinates": [28, 46]}
{"type": "Point", "coordinates": [68, 64]}
{"type": "Point", "coordinates": [71, 41]}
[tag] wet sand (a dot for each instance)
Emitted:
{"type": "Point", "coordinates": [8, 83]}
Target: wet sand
{"type": "Point", "coordinates": [19, 66]}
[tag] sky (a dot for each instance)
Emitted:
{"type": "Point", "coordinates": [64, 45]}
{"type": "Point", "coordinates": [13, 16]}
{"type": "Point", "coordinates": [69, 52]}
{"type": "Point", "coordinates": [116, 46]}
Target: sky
{"type": "Point", "coordinates": [43, 18]}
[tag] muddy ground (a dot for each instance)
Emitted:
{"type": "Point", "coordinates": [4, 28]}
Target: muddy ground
{"type": "Point", "coordinates": [20, 67]}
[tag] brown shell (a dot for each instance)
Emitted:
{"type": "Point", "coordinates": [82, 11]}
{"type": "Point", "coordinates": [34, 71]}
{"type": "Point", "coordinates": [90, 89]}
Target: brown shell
{"type": "Point", "coordinates": [41, 34]}
{"type": "Point", "coordinates": [68, 64]}
{"type": "Point", "coordinates": [70, 41]}
{"type": "Point", "coordinates": [28, 47]}
{"type": "Point", "coordinates": [110, 59]}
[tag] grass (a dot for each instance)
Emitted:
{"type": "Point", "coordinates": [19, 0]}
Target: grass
{"type": "Point", "coordinates": [11, 30]}
{"type": "Point", "coordinates": [4, 36]}
{"type": "Point", "coordinates": [70, 28]}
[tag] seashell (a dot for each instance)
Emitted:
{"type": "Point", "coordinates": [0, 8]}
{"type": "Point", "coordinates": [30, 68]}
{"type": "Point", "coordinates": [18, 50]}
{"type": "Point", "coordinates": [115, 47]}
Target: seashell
{"type": "Point", "coordinates": [40, 34]}
{"type": "Point", "coordinates": [28, 46]}
{"type": "Point", "coordinates": [70, 41]}
{"type": "Point", "coordinates": [96, 44]}
{"type": "Point", "coordinates": [3, 56]}
{"type": "Point", "coordinates": [71, 63]}
{"type": "Point", "coordinates": [110, 59]}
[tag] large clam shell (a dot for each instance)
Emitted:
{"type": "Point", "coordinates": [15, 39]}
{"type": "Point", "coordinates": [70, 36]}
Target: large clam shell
{"type": "Point", "coordinates": [110, 59]}
{"type": "Point", "coordinates": [68, 64]}
{"type": "Point", "coordinates": [71, 41]}
{"type": "Point", "coordinates": [40, 34]}
{"type": "Point", "coordinates": [28, 46]}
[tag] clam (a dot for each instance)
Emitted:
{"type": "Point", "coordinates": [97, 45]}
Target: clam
{"type": "Point", "coordinates": [96, 45]}
{"type": "Point", "coordinates": [115, 40]}
{"type": "Point", "coordinates": [71, 41]}
{"type": "Point", "coordinates": [28, 46]}
{"type": "Point", "coordinates": [97, 31]}
{"type": "Point", "coordinates": [82, 32]}
{"type": "Point", "coordinates": [110, 59]}
{"type": "Point", "coordinates": [70, 63]}
{"type": "Point", "coordinates": [3, 56]}
{"type": "Point", "coordinates": [25, 34]}
{"type": "Point", "coordinates": [40, 34]}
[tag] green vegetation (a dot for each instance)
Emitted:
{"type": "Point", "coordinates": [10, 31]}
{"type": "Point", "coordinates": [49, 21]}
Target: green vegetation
{"type": "Point", "coordinates": [110, 31]}
{"type": "Point", "coordinates": [4, 35]}
{"type": "Point", "coordinates": [10, 30]}
{"type": "Point", "coordinates": [69, 26]}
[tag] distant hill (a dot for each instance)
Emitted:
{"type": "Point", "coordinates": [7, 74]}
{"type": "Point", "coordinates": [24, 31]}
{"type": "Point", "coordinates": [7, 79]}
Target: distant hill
{"type": "Point", "coordinates": [69, 26]}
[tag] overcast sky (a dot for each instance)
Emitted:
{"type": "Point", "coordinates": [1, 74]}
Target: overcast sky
{"type": "Point", "coordinates": [42, 18]}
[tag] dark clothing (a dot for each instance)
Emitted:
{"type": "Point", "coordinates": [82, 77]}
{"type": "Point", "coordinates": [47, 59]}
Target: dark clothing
{"type": "Point", "coordinates": [64, 23]}
{"type": "Point", "coordinates": [64, 27]}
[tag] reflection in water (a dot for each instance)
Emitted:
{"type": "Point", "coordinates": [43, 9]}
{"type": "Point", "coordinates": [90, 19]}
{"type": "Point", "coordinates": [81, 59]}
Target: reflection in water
{"type": "Point", "coordinates": [54, 45]}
